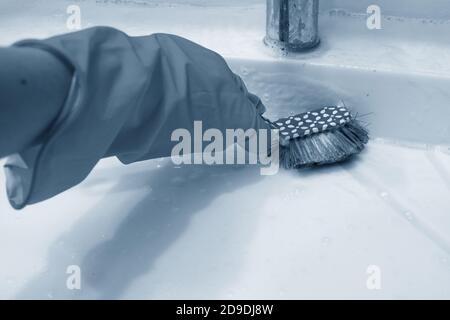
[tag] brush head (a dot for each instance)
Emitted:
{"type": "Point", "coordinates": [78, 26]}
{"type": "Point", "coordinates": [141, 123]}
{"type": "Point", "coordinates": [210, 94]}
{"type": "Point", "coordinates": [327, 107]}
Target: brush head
{"type": "Point", "coordinates": [324, 136]}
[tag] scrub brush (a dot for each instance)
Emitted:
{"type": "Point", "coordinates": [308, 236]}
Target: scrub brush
{"type": "Point", "coordinates": [324, 136]}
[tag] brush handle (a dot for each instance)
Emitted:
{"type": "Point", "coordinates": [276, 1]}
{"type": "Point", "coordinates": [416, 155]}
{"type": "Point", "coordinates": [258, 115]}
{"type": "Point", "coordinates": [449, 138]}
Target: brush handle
{"type": "Point", "coordinates": [312, 122]}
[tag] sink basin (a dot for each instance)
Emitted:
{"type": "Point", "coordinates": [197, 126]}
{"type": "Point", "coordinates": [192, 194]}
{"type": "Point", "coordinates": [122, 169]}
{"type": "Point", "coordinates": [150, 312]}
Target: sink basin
{"type": "Point", "coordinates": [398, 106]}
{"type": "Point", "coordinates": [155, 230]}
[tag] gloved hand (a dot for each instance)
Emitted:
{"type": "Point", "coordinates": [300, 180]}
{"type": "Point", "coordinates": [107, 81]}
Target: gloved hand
{"type": "Point", "coordinates": [127, 96]}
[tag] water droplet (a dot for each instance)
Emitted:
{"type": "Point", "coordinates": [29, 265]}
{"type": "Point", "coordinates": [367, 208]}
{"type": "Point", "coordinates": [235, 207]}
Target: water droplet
{"type": "Point", "coordinates": [326, 241]}
{"type": "Point", "coordinates": [409, 215]}
{"type": "Point", "coordinates": [384, 194]}
{"type": "Point", "coordinates": [177, 180]}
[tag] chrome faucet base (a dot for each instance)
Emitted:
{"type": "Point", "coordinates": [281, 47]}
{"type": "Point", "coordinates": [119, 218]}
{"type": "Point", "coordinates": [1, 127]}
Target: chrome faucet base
{"type": "Point", "coordinates": [291, 47]}
{"type": "Point", "coordinates": [292, 25]}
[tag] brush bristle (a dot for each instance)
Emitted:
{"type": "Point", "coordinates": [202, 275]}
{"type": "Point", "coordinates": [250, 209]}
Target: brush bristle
{"type": "Point", "coordinates": [324, 148]}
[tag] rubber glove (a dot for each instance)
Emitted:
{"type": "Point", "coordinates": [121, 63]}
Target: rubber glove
{"type": "Point", "coordinates": [128, 94]}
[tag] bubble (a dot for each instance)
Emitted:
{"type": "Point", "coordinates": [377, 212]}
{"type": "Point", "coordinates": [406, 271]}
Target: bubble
{"type": "Point", "coordinates": [384, 194]}
{"type": "Point", "coordinates": [177, 180]}
{"type": "Point", "coordinates": [326, 241]}
{"type": "Point", "coordinates": [244, 71]}
{"type": "Point", "coordinates": [409, 215]}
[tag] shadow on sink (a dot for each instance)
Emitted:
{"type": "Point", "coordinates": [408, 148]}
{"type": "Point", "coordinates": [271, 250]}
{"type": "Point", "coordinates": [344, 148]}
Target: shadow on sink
{"type": "Point", "coordinates": [146, 230]}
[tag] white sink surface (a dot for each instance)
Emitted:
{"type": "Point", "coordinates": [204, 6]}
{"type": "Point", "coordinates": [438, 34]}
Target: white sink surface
{"type": "Point", "coordinates": [152, 230]}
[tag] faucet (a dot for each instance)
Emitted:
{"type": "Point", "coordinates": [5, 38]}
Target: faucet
{"type": "Point", "coordinates": [292, 25]}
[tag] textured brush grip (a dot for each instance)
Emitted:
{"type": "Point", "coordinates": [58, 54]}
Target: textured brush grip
{"type": "Point", "coordinates": [312, 122]}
